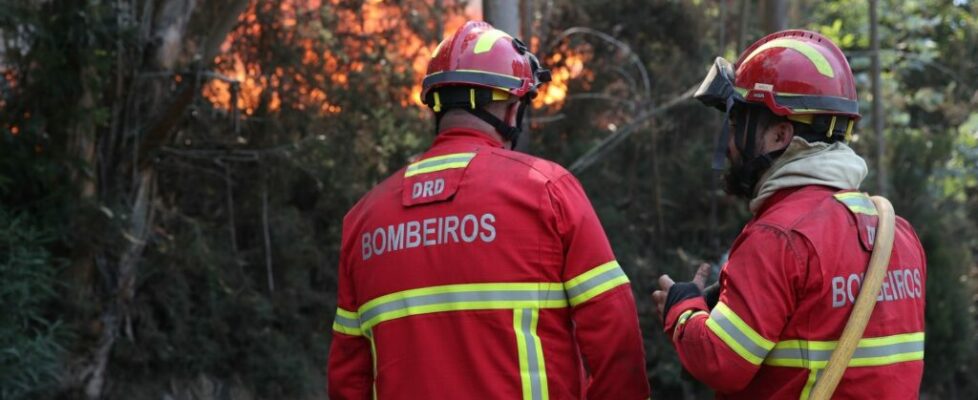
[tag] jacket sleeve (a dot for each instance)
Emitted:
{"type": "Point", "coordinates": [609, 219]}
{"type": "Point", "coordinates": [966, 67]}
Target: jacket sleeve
{"type": "Point", "coordinates": [725, 347]}
{"type": "Point", "coordinates": [350, 363]}
{"type": "Point", "coordinates": [603, 309]}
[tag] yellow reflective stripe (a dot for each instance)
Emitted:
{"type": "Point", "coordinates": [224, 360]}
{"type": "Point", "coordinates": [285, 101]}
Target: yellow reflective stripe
{"type": "Point", "coordinates": [373, 359]}
{"type": "Point", "coordinates": [439, 163]}
{"type": "Point", "coordinates": [521, 350]}
{"type": "Point", "coordinates": [857, 202]}
{"type": "Point", "coordinates": [849, 195]}
{"type": "Point", "coordinates": [817, 58]}
{"type": "Point", "coordinates": [809, 384]}
{"type": "Point", "coordinates": [685, 316]}
{"type": "Point", "coordinates": [533, 371]}
{"type": "Point", "coordinates": [737, 335]}
{"type": "Point", "coordinates": [346, 330]}
{"type": "Point", "coordinates": [803, 118]}
{"type": "Point", "coordinates": [347, 322]}
{"type": "Point", "coordinates": [595, 281]}
{"type": "Point", "coordinates": [472, 296]}
{"type": "Point", "coordinates": [499, 95]}
{"type": "Point", "coordinates": [438, 48]}
{"type": "Point", "coordinates": [689, 314]}
{"type": "Point", "coordinates": [346, 314]}
{"type": "Point", "coordinates": [437, 107]}
{"type": "Point", "coordinates": [487, 39]}
{"type": "Point", "coordinates": [869, 352]}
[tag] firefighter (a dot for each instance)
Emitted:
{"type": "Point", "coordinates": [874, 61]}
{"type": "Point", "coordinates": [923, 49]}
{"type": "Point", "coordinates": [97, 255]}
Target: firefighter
{"type": "Point", "coordinates": [477, 272]}
{"type": "Point", "coordinates": [794, 271]}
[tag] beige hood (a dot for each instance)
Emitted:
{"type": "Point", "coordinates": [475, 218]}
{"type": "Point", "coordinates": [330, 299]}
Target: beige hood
{"type": "Point", "coordinates": [804, 163]}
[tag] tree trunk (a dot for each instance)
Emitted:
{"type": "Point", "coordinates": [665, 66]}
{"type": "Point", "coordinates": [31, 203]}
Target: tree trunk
{"type": "Point", "coordinates": [742, 36]}
{"type": "Point", "coordinates": [874, 39]}
{"type": "Point", "coordinates": [116, 312]}
{"type": "Point", "coordinates": [775, 15]}
{"type": "Point", "coordinates": [505, 16]}
{"type": "Point", "coordinates": [171, 31]}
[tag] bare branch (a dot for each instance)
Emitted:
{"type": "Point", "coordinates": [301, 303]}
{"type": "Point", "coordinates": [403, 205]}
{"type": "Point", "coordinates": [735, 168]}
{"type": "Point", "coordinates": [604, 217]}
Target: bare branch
{"type": "Point", "coordinates": [612, 141]}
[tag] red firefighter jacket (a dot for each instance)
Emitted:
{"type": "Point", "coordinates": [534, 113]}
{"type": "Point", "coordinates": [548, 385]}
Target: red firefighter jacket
{"type": "Point", "coordinates": [481, 273]}
{"type": "Point", "coordinates": [785, 296]}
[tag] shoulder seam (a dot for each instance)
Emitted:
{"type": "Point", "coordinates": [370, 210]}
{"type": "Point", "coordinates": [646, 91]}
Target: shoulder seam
{"type": "Point", "coordinates": [560, 170]}
{"type": "Point", "coordinates": [785, 234]}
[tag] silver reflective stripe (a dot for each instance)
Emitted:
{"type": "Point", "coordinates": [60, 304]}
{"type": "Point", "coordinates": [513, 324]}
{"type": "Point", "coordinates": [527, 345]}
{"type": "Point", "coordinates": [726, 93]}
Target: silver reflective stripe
{"type": "Point", "coordinates": [742, 339]}
{"type": "Point", "coordinates": [443, 161]}
{"type": "Point", "coordinates": [460, 297]}
{"type": "Point", "coordinates": [526, 325]}
{"type": "Point", "coordinates": [347, 322]}
{"type": "Point", "coordinates": [594, 282]}
{"type": "Point", "coordinates": [861, 352]}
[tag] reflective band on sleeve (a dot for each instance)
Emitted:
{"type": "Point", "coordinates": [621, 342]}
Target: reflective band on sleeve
{"type": "Point", "coordinates": [533, 371]}
{"type": "Point", "coordinates": [474, 296]}
{"type": "Point", "coordinates": [857, 202]}
{"type": "Point", "coordinates": [870, 352]}
{"type": "Point", "coordinates": [683, 318]}
{"type": "Point", "coordinates": [440, 163]}
{"type": "Point", "coordinates": [739, 336]}
{"type": "Point", "coordinates": [688, 314]}
{"type": "Point", "coordinates": [347, 322]}
{"type": "Point", "coordinates": [598, 280]}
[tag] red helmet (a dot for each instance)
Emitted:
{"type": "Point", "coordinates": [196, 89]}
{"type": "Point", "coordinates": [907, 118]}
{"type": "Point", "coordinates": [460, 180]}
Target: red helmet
{"type": "Point", "coordinates": [478, 65]}
{"type": "Point", "coordinates": [797, 72]}
{"type": "Point", "coordinates": [478, 55]}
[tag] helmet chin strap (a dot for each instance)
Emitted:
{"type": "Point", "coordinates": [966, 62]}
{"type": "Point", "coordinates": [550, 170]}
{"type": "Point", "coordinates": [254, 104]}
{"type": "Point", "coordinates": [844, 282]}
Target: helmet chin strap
{"type": "Point", "coordinates": [507, 132]}
{"type": "Point", "coordinates": [745, 136]}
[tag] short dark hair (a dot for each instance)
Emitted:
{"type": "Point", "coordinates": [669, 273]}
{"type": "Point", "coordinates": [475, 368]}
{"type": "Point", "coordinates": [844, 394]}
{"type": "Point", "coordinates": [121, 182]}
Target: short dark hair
{"type": "Point", "coordinates": [809, 132]}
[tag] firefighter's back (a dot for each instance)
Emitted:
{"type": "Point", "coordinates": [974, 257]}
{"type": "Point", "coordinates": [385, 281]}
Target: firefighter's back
{"type": "Point", "coordinates": [456, 272]}
{"type": "Point", "coordinates": [836, 232]}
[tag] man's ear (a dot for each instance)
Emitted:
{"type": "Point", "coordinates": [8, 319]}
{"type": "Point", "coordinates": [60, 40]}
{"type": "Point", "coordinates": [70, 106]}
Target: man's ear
{"type": "Point", "coordinates": [780, 136]}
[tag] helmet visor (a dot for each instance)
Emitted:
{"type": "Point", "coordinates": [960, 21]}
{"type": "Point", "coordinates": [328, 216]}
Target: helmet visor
{"type": "Point", "coordinates": [718, 86]}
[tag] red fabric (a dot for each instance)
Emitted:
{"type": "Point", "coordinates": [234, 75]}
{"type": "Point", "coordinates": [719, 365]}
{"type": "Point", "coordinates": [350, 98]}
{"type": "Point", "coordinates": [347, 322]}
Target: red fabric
{"type": "Point", "coordinates": [545, 230]}
{"type": "Point", "coordinates": [779, 281]}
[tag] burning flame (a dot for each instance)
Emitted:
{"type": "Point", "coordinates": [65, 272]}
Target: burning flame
{"type": "Point", "coordinates": [377, 19]}
{"type": "Point", "coordinates": [375, 26]}
{"type": "Point", "coordinates": [565, 64]}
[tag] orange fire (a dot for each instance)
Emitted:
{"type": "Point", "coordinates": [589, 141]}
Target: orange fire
{"type": "Point", "coordinates": [374, 27]}
{"type": "Point", "coordinates": [565, 64]}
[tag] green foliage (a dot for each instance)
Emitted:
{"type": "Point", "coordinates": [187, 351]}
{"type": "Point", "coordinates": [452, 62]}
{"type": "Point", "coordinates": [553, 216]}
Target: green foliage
{"type": "Point", "coordinates": [31, 341]}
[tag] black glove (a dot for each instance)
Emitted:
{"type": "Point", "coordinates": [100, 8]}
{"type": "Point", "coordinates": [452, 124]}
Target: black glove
{"type": "Point", "coordinates": [712, 295]}
{"type": "Point", "coordinates": [677, 293]}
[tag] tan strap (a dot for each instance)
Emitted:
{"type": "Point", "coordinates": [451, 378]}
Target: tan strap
{"type": "Point", "coordinates": [863, 309]}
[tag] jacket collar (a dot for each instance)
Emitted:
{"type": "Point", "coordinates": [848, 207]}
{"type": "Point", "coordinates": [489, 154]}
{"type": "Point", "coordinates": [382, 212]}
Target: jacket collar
{"type": "Point", "coordinates": [775, 199]}
{"type": "Point", "coordinates": [465, 136]}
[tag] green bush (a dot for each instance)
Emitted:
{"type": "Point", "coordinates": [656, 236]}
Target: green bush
{"type": "Point", "coordinates": [30, 341]}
